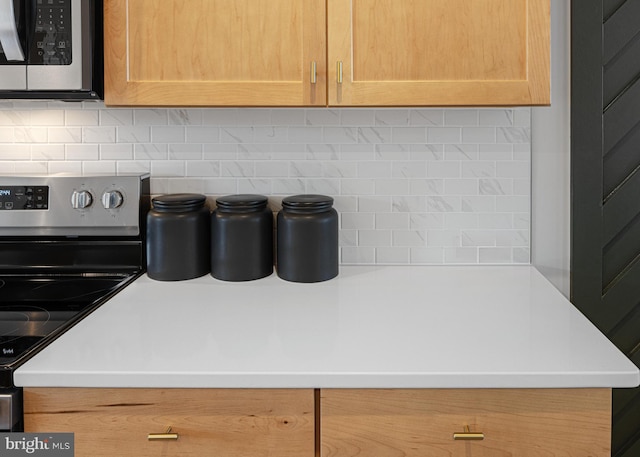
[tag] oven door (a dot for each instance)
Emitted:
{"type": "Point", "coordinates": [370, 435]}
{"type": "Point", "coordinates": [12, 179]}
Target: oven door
{"type": "Point", "coordinates": [11, 410]}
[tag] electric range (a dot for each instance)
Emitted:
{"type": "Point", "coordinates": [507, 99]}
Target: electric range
{"type": "Point", "coordinates": [67, 245]}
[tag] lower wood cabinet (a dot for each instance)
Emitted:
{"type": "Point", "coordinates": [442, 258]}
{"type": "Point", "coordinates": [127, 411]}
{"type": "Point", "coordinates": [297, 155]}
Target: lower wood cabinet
{"type": "Point", "coordinates": [466, 423]}
{"type": "Point", "coordinates": [216, 422]}
{"type": "Point", "coordinates": [335, 423]}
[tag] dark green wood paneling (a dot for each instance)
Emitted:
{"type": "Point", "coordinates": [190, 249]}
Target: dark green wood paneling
{"type": "Point", "coordinates": [605, 187]}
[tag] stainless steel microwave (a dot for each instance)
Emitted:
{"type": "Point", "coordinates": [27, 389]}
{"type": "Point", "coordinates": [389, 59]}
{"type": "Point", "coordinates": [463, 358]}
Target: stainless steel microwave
{"type": "Point", "coordinates": [51, 49]}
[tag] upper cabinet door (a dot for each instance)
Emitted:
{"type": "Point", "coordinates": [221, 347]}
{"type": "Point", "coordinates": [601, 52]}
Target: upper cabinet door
{"type": "Point", "coordinates": [438, 52]}
{"type": "Point", "coordinates": [215, 52]}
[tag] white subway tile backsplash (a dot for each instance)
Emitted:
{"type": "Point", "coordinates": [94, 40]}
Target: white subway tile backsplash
{"type": "Point", "coordinates": [101, 167]}
{"type": "Point", "coordinates": [357, 116]}
{"type": "Point", "coordinates": [444, 169]}
{"type": "Point", "coordinates": [412, 238]}
{"type": "Point", "coordinates": [7, 135]}
{"type": "Point", "coordinates": [67, 167]}
{"type": "Point", "coordinates": [457, 255]}
{"type": "Point", "coordinates": [461, 117]}
{"type": "Point", "coordinates": [444, 238]}
{"type": "Point", "coordinates": [478, 135]}
{"type": "Point", "coordinates": [150, 117]}
{"type": "Point", "coordinates": [358, 255]}
{"type": "Point", "coordinates": [497, 117]}
{"type": "Point", "coordinates": [374, 135]}
{"type": "Point", "coordinates": [429, 186]}
{"type": "Point", "coordinates": [13, 151]}
{"type": "Point", "coordinates": [116, 152]}
{"type": "Point", "coordinates": [375, 238]}
{"type": "Point", "coordinates": [31, 167]}
{"type": "Point", "coordinates": [521, 255]}
{"type": "Point", "coordinates": [322, 117]}
{"type": "Point", "coordinates": [99, 135]}
{"type": "Point", "coordinates": [84, 152]}
{"type": "Point", "coordinates": [48, 117]}
{"type": "Point", "coordinates": [391, 116]}
{"type": "Point", "coordinates": [358, 221]}
{"type": "Point", "coordinates": [444, 204]}
{"type": "Point", "coordinates": [46, 152]}
{"type": "Point", "coordinates": [513, 135]}
{"type": "Point", "coordinates": [30, 134]}
{"type": "Point", "coordinates": [323, 186]}
{"type": "Point", "coordinates": [461, 187]}
{"type": "Point", "coordinates": [495, 186]}
{"type": "Point", "coordinates": [185, 117]}
{"type": "Point", "coordinates": [444, 134]}
{"type": "Point", "coordinates": [392, 255]}
{"type": "Point", "coordinates": [65, 135]}
{"type": "Point", "coordinates": [166, 134]}
{"type": "Point", "coordinates": [392, 186]}
{"type": "Point", "coordinates": [391, 221]}
{"type": "Point", "coordinates": [427, 117]}
{"type": "Point", "coordinates": [423, 220]}
{"type": "Point", "coordinates": [402, 135]}
{"type": "Point", "coordinates": [487, 255]}
{"type": "Point", "coordinates": [202, 134]}
{"type": "Point", "coordinates": [412, 186]}
{"type": "Point", "coordinates": [495, 151]}
{"type": "Point", "coordinates": [14, 117]}
{"type": "Point", "coordinates": [168, 168]}
{"type": "Point", "coordinates": [478, 204]}
{"type": "Point", "coordinates": [254, 186]}
{"type": "Point", "coordinates": [288, 186]}
{"type": "Point", "coordinates": [462, 152]}
{"type": "Point", "coordinates": [80, 117]}
{"type": "Point", "coordinates": [305, 135]}
{"type": "Point", "coordinates": [119, 117]}
{"type": "Point", "coordinates": [430, 255]}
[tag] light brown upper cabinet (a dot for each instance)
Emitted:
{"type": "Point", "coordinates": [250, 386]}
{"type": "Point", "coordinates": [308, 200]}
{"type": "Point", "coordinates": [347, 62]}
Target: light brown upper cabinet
{"type": "Point", "coordinates": [214, 52]}
{"type": "Point", "coordinates": [327, 52]}
{"type": "Point", "coordinates": [438, 52]}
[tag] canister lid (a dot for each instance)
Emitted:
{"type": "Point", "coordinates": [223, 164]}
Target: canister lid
{"type": "Point", "coordinates": [241, 202]}
{"type": "Point", "coordinates": [178, 202]}
{"type": "Point", "coordinates": [307, 203]}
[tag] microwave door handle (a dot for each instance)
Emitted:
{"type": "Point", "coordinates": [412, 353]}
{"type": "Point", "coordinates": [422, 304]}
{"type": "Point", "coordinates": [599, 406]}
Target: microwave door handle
{"type": "Point", "coordinates": [9, 39]}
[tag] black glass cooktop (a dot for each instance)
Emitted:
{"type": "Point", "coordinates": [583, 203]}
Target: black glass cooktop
{"type": "Point", "coordinates": [36, 309]}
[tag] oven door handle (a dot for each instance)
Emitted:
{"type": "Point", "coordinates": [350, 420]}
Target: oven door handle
{"type": "Point", "coordinates": [9, 38]}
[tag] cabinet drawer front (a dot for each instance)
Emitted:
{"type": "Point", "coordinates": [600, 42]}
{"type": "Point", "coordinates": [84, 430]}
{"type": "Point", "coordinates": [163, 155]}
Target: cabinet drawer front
{"type": "Point", "coordinates": [513, 422]}
{"type": "Point", "coordinates": [225, 422]}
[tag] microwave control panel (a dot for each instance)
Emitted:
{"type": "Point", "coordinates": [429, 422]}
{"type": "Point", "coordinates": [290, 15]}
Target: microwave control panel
{"type": "Point", "coordinates": [24, 197]}
{"type": "Point", "coordinates": [51, 43]}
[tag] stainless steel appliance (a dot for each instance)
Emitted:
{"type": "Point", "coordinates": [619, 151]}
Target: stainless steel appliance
{"type": "Point", "coordinates": [51, 49]}
{"type": "Point", "coordinates": [67, 244]}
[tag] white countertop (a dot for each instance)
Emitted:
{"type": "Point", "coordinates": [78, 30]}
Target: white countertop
{"type": "Point", "coordinates": [383, 327]}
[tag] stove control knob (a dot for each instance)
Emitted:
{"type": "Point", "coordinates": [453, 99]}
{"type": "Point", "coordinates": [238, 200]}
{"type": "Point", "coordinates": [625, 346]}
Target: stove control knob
{"type": "Point", "coordinates": [81, 199]}
{"type": "Point", "coordinates": [112, 199]}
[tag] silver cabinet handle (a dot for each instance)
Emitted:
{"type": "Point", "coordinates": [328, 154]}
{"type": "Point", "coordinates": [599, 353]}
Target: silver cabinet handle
{"type": "Point", "coordinates": [9, 39]}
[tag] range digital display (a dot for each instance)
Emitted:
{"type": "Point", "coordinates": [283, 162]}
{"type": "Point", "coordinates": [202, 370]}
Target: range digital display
{"type": "Point", "coordinates": [24, 198]}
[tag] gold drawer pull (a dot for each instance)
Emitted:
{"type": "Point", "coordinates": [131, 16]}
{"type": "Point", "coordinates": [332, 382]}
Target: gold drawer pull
{"type": "Point", "coordinates": [339, 71]}
{"type": "Point", "coordinates": [468, 435]}
{"type": "Point", "coordinates": [314, 72]}
{"type": "Point", "coordinates": [167, 436]}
